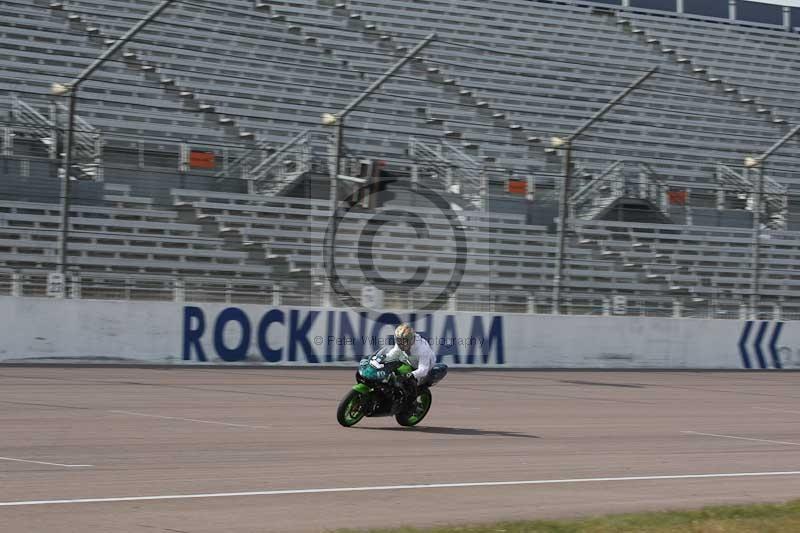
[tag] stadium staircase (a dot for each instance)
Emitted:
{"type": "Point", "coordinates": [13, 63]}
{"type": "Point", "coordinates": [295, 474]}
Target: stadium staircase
{"type": "Point", "coordinates": [726, 177]}
{"type": "Point", "coordinates": [692, 66]}
{"type": "Point", "coordinates": [464, 160]}
{"type": "Point", "coordinates": [259, 164]}
{"type": "Point", "coordinates": [433, 71]}
{"type": "Point", "coordinates": [186, 95]}
{"type": "Point", "coordinates": [266, 169]}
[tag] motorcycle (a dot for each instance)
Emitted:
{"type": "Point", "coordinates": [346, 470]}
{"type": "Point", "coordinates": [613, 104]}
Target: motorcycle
{"type": "Point", "coordinates": [380, 391]}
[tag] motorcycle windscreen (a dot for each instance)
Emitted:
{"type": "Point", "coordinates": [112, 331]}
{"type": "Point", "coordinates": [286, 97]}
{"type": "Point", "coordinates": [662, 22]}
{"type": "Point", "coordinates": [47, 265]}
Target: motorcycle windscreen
{"type": "Point", "coordinates": [379, 366]}
{"type": "Point", "coordinates": [371, 373]}
{"type": "Point", "coordinates": [372, 368]}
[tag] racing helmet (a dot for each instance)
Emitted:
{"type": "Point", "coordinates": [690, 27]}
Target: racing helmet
{"type": "Point", "coordinates": [404, 337]}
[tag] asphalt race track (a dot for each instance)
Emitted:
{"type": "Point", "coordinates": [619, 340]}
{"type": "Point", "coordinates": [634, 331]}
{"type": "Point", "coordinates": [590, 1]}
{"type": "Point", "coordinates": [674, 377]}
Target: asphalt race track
{"type": "Point", "coordinates": [254, 449]}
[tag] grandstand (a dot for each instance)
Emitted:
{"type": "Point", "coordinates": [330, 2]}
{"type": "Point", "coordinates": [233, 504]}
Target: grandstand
{"type": "Point", "coordinates": [203, 164]}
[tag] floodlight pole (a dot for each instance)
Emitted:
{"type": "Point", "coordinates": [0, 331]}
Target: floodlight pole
{"type": "Point", "coordinates": [71, 90]}
{"type": "Point", "coordinates": [758, 164]}
{"type": "Point", "coordinates": [563, 204]}
{"type": "Point", "coordinates": [338, 121]}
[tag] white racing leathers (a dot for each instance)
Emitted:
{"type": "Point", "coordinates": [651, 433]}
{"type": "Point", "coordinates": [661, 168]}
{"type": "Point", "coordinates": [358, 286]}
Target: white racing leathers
{"type": "Point", "coordinates": [421, 357]}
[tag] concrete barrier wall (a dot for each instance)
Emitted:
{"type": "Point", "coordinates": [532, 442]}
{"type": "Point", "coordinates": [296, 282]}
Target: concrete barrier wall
{"type": "Point", "coordinates": [165, 332]}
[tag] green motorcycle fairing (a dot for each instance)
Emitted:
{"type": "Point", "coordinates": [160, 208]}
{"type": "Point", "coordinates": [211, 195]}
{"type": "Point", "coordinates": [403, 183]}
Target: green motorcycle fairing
{"type": "Point", "coordinates": [405, 369]}
{"type": "Point", "coordinates": [360, 387]}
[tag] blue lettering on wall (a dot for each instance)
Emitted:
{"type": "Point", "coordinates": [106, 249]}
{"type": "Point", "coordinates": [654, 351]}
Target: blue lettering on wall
{"type": "Point", "coordinates": [495, 338]}
{"type": "Point", "coordinates": [385, 319]}
{"type": "Point", "coordinates": [238, 352]}
{"type": "Point", "coordinates": [191, 335]}
{"type": "Point", "coordinates": [271, 355]}
{"type": "Point", "coordinates": [427, 327]}
{"type": "Point", "coordinates": [485, 344]}
{"type": "Point", "coordinates": [448, 344]}
{"type": "Point", "coordinates": [329, 346]}
{"type": "Point", "coordinates": [346, 331]}
{"type": "Point", "coordinates": [298, 334]}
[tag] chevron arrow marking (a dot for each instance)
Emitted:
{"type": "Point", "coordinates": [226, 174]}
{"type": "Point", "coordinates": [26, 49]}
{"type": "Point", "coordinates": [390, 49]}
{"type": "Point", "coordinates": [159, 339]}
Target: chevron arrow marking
{"type": "Point", "coordinates": [743, 344]}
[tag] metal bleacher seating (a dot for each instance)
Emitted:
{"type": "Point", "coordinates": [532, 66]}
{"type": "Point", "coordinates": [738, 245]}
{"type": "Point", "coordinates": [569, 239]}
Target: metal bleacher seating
{"type": "Point", "coordinates": [526, 59]}
{"type": "Point", "coordinates": [278, 82]}
{"type": "Point", "coordinates": [242, 78]}
{"type": "Point", "coordinates": [732, 52]}
{"type": "Point", "coordinates": [118, 99]}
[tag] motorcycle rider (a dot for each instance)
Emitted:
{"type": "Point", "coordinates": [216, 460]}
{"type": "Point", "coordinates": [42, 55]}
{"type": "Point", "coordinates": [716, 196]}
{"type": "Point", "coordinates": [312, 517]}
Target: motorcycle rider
{"type": "Point", "coordinates": [419, 352]}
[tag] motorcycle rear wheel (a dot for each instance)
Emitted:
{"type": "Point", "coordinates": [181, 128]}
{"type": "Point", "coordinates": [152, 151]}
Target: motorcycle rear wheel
{"type": "Point", "coordinates": [418, 411]}
{"type": "Point", "coordinates": [351, 409]}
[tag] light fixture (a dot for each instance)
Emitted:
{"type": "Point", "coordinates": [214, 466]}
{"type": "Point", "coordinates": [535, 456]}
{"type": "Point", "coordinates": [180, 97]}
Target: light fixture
{"type": "Point", "coordinates": [329, 119]}
{"type": "Point", "coordinates": [59, 89]}
{"type": "Point", "coordinates": [557, 142]}
{"type": "Point", "coordinates": [751, 162]}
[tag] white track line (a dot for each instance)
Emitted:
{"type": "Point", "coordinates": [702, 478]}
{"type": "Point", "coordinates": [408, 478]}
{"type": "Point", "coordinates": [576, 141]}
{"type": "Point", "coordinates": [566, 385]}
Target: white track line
{"type": "Point", "coordinates": [741, 438]}
{"type": "Point", "coordinates": [777, 410]}
{"type": "Point", "coordinates": [394, 487]}
{"type": "Point", "coordinates": [190, 420]}
{"type": "Point", "coordinates": [42, 462]}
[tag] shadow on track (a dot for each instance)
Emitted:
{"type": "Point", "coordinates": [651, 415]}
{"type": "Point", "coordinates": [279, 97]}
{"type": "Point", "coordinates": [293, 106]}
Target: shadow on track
{"type": "Point", "coordinates": [456, 431]}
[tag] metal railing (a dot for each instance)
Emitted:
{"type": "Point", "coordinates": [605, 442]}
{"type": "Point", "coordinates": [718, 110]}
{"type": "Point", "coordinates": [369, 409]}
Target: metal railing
{"type": "Point", "coordinates": [88, 139]}
{"type": "Point", "coordinates": [268, 171]}
{"type": "Point", "coordinates": [458, 172]}
{"type": "Point", "coordinates": [105, 286]}
{"type": "Point", "coordinates": [27, 120]}
{"type": "Point", "coordinates": [88, 147]}
{"type": "Point", "coordinates": [776, 198]}
{"type": "Point", "coordinates": [283, 168]}
{"type": "Point", "coordinates": [613, 183]}
{"type": "Point", "coordinates": [599, 193]}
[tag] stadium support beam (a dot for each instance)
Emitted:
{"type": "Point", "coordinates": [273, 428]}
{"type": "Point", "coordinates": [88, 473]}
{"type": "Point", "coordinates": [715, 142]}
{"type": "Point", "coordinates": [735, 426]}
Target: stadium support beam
{"type": "Point", "coordinates": [758, 164]}
{"type": "Point", "coordinates": [565, 144]}
{"type": "Point", "coordinates": [337, 120]}
{"type": "Point", "coordinates": [71, 91]}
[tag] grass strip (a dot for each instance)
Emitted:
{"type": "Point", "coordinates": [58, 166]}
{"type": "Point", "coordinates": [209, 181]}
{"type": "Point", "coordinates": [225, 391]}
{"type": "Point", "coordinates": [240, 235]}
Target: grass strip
{"type": "Point", "coordinates": [760, 518]}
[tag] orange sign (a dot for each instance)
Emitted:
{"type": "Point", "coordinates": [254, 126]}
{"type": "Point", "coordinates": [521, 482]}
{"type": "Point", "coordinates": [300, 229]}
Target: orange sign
{"type": "Point", "coordinates": [517, 186]}
{"type": "Point", "coordinates": [201, 160]}
{"type": "Point", "coordinates": [677, 197]}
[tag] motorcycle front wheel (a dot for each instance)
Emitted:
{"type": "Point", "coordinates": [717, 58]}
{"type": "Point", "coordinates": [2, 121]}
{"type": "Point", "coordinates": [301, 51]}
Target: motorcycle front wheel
{"type": "Point", "coordinates": [351, 409]}
{"type": "Point", "coordinates": [418, 410]}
